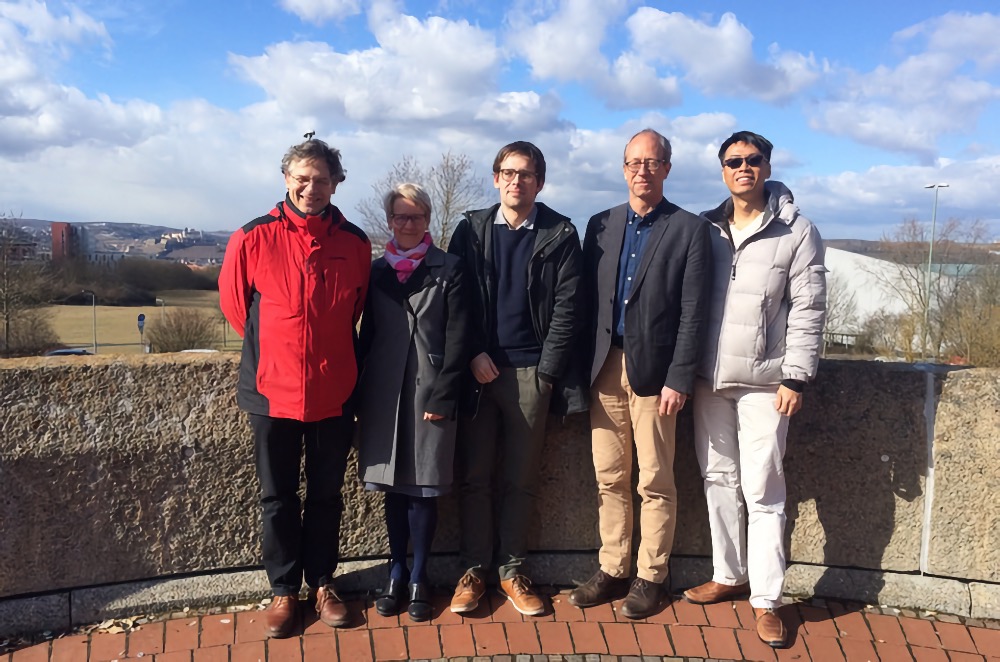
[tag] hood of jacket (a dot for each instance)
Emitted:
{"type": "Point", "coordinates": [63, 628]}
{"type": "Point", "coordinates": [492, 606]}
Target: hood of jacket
{"type": "Point", "coordinates": [779, 205]}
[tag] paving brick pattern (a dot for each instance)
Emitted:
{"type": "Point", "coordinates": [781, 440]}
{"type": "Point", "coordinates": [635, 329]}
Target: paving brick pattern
{"type": "Point", "coordinates": [822, 631]}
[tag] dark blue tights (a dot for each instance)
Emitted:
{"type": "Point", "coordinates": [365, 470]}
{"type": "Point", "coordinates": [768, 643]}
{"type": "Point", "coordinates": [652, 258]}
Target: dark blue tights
{"type": "Point", "coordinates": [410, 519]}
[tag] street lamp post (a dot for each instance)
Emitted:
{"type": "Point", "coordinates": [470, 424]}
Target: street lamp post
{"type": "Point", "coordinates": [930, 261]}
{"type": "Point", "coordinates": [93, 308]}
{"type": "Point", "coordinates": [162, 304]}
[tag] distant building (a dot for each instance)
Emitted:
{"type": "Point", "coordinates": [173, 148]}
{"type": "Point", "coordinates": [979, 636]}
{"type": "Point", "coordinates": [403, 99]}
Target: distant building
{"type": "Point", "coordinates": [74, 242]}
{"type": "Point", "coordinates": [200, 255]}
{"type": "Point", "coordinates": [65, 241]}
{"type": "Point", "coordinates": [17, 248]}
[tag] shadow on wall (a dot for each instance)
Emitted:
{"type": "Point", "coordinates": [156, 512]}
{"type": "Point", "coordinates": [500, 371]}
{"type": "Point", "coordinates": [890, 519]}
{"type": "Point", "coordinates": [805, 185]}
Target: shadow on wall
{"type": "Point", "coordinates": [859, 492]}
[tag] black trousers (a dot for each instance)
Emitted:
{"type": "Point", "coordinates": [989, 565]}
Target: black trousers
{"type": "Point", "coordinates": [300, 540]}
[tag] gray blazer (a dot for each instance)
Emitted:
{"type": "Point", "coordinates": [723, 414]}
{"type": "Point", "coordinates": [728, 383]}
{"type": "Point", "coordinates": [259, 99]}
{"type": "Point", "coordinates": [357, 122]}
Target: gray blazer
{"type": "Point", "coordinates": [413, 349]}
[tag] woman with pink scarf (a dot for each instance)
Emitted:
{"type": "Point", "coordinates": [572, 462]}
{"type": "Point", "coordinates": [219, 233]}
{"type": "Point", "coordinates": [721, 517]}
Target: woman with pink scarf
{"type": "Point", "coordinates": [413, 351]}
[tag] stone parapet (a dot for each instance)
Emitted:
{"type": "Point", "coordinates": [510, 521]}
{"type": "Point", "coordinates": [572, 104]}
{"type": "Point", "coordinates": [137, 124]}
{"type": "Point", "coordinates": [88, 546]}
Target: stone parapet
{"type": "Point", "coordinates": [139, 469]}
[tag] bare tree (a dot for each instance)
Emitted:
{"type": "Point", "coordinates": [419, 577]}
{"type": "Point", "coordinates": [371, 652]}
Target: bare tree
{"type": "Point", "coordinates": [973, 334]}
{"type": "Point", "coordinates": [23, 283]}
{"type": "Point", "coordinates": [956, 246]}
{"type": "Point", "coordinates": [452, 185]}
{"type": "Point", "coordinates": [841, 307]}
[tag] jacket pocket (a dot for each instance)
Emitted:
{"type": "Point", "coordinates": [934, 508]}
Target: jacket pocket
{"type": "Point", "coordinates": [760, 348]}
{"type": "Point", "coordinates": [437, 360]}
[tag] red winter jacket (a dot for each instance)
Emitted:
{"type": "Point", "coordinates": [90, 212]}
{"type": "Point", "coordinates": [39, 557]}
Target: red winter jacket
{"type": "Point", "coordinates": [293, 286]}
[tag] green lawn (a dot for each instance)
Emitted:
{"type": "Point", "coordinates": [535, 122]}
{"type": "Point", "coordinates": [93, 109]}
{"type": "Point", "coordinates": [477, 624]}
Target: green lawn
{"type": "Point", "coordinates": [117, 331]}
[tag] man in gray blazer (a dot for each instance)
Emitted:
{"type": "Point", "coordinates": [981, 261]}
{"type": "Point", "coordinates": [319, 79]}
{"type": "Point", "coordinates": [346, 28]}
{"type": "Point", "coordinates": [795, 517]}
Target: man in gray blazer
{"type": "Point", "coordinates": [647, 269]}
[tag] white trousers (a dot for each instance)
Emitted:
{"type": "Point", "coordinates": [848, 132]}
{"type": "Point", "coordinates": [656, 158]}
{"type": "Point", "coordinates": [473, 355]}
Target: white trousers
{"type": "Point", "coordinates": [740, 442]}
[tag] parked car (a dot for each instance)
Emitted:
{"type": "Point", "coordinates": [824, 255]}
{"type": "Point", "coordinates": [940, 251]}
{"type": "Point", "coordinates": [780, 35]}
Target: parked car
{"type": "Point", "coordinates": [69, 351]}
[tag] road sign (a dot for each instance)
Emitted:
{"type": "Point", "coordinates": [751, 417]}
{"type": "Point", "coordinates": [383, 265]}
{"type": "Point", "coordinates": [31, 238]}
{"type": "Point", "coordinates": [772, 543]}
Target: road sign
{"type": "Point", "coordinates": [142, 322]}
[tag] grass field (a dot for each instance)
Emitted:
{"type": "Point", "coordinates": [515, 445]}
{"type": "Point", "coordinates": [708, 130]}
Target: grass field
{"type": "Point", "coordinates": [117, 329]}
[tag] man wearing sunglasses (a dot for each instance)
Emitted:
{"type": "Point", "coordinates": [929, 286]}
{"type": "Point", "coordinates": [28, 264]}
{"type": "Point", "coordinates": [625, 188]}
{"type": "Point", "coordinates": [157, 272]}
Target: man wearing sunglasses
{"type": "Point", "coordinates": [523, 260]}
{"type": "Point", "coordinates": [763, 340]}
{"type": "Point", "coordinates": [646, 264]}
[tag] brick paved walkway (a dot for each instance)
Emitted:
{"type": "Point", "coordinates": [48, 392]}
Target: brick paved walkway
{"type": "Point", "coordinates": [824, 631]}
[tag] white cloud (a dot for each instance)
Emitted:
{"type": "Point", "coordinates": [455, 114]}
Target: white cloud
{"type": "Point", "coordinates": [525, 112]}
{"type": "Point", "coordinates": [567, 45]}
{"type": "Point", "coordinates": [635, 83]}
{"type": "Point", "coordinates": [35, 112]}
{"type": "Point", "coordinates": [971, 37]}
{"type": "Point", "coordinates": [321, 11]}
{"type": "Point", "coordinates": [432, 71]}
{"type": "Point", "coordinates": [719, 60]}
{"type": "Point", "coordinates": [42, 27]}
{"type": "Point", "coordinates": [928, 94]}
{"type": "Point", "coordinates": [898, 193]}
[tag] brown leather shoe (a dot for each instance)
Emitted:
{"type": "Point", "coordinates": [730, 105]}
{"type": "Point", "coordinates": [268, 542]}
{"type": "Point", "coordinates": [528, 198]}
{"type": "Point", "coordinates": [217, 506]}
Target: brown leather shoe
{"type": "Point", "coordinates": [644, 599]}
{"type": "Point", "coordinates": [599, 589]}
{"type": "Point", "coordinates": [712, 592]}
{"type": "Point", "coordinates": [468, 593]}
{"type": "Point", "coordinates": [518, 590]}
{"type": "Point", "coordinates": [770, 628]}
{"type": "Point", "coordinates": [282, 616]}
{"type": "Point", "coordinates": [330, 608]}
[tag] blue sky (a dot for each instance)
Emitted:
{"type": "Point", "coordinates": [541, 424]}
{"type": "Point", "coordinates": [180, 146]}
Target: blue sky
{"type": "Point", "coordinates": [177, 112]}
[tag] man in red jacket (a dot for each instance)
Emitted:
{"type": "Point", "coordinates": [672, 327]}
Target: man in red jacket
{"type": "Point", "coordinates": [292, 285]}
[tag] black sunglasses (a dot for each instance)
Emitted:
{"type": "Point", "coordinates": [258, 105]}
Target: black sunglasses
{"type": "Point", "coordinates": [736, 162]}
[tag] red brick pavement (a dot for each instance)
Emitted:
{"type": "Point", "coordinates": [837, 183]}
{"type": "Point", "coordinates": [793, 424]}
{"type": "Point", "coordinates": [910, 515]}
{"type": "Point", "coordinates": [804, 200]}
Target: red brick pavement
{"type": "Point", "coordinates": [821, 632]}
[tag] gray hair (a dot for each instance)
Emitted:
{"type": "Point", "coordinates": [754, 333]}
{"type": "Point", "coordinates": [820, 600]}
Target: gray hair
{"type": "Point", "coordinates": [408, 191]}
{"type": "Point", "coordinates": [315, 150]}
{"type": "Point", "coordinates": [664, 143]}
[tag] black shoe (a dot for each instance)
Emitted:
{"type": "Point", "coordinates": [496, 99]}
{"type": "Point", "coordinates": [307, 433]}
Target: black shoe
{"type": "Point", "coordinates": [420, 602]}
{"type": "Point", "coordinates": [391, 598]}
{"type": "Point", "coordinates": [644, 599]}
{"type": "Point", "coordinates": [599, 589]}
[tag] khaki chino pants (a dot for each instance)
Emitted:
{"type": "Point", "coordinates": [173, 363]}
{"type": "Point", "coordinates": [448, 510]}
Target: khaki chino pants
{"type": "Point", "coordinates": [619, 420]}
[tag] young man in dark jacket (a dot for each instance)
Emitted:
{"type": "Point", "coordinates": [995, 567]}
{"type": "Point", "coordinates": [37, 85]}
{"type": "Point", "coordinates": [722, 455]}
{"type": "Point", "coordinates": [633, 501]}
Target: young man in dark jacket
{"type": "Point", "coordinates": [522, 262]}
{"type": "Point", "coordinates": [293, 284]}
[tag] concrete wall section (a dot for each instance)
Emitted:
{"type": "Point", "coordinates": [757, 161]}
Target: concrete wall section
{"type": "Point", "coordinates": [964, 526]}
{"type": "Point", "coordinates": [130, 469]}
{"type": "Point", "coordinates": [121, 469]}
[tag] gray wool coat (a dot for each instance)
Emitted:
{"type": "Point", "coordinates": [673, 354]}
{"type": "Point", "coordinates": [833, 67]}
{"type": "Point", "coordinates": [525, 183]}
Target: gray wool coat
{"type": "Point", "coordinates": [413, 350]}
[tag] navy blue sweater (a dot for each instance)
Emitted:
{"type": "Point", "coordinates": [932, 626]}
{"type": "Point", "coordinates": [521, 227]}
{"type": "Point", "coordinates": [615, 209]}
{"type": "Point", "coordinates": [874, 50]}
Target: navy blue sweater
{"type": "Point", "coordinates": [515, 344]}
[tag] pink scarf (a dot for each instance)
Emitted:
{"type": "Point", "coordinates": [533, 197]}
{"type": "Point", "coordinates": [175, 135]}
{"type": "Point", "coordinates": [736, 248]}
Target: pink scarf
{"type": "Point", "coordinates": [404, 262]}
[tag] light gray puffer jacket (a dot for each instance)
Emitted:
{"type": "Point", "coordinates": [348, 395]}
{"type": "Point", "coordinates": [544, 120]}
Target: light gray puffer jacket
{"type": "Point", "coordinates": [768, 302]}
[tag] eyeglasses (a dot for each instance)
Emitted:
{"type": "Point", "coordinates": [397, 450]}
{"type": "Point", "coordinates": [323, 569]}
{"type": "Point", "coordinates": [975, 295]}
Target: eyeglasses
{"type": "Point", "coordinates": [318, 182]}
{"type": "Point", "coordinates": [526, 176]}
{"type": "Point", "coordinates": [736, 162]}
{"type": "Point", "coordinates": [403, 219]}
{"type": "Point", "coordinates": [652, 165]}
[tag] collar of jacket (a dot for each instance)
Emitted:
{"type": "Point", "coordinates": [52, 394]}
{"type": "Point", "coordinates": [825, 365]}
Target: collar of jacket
{"type": "Point", "coordinates": [550, 225]}
{"type": "Point", "coordinates": [314, 225]}
{"type": "Point", "coordinates": [662, 208]}
{"type": "Point", "coordinates": [779, 204]}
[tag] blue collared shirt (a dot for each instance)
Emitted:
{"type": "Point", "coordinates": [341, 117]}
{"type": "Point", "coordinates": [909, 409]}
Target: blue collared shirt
{"type": "Point", "coordinates": [637, 229]}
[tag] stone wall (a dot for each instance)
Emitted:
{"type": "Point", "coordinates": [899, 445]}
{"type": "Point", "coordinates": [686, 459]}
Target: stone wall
{"type": "Point", "coordinates": [117, 470]}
